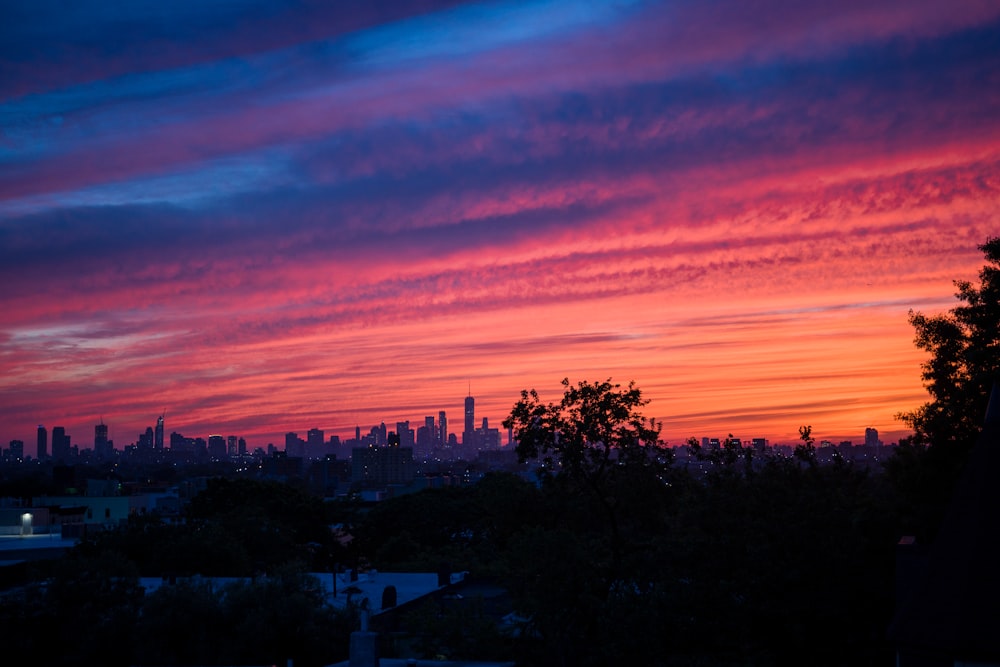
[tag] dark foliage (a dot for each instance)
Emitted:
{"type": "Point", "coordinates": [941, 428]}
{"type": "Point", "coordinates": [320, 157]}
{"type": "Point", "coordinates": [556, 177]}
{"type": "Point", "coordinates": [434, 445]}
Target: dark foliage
{"type": "Point", "coordinates": [764, 561]}
{"type": "Point", "coordinates": [467, 527]}
{"type": "Point", "coordinates": [964, 347]}
{"type": "Point", "coordinates": [244, 622]}
{"type": "Point", "coordinates": [90, 609]}
{"type": "Point", "coordinates": [964, 363]}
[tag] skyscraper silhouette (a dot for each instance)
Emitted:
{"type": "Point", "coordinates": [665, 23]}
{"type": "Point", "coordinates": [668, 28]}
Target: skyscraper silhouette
{"type": "Point", "coordinates": [42, 452]}
{"type": "Point", "coordinates": [100, 435]}
{"type": "Point", "coordinates": [469, 439]}
{"type": "Point", "coordinates": [158, 437]}
{"type": "Point", "coordinates": [60, 444]}
{"type": "Point", "coordinates": [101, 443]}
{"type": "Point", "coordinates": [470, 414]}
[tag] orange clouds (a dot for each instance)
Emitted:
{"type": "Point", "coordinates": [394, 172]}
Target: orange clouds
{"type": "Point", "coordinates": [734, 210]}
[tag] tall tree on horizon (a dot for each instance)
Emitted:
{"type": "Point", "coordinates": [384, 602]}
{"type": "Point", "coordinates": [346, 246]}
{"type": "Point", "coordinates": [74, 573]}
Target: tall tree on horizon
{"type": "Point", "coordinates": [595, 440]}
{"type": "Point", "coordinates": [964, 345]}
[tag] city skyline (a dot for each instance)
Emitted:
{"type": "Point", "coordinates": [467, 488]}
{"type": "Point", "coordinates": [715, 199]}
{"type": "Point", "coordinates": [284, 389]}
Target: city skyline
{"type": "Point", "coordinates": [103, 435]}
{"type": "Point", "coordinates": [275, 217]}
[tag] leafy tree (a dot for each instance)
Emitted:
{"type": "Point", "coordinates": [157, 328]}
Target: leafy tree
{"type": "Point", "coordinates": [243, 622]}
{"type": "Point", "coordinates": [964, 345]}
{"type": "Point", "coordinates": [606, 496]}
{"type": "Point", "coordinates": [283, 616]}
{"type": "Point", "coordinates": [596, 441]}
{"type": "Point", "coordinates": [806, 452]}
{"type": "Point", "coordinates": [271, 523]}
{"type": "Point", "coordinates": [468, 527]}
{"type": "Point", "coordinates": [94, 601]}
{"type": "Point", "coordinates": [594, 427]}
{"type": "Point", "coordinates": [180, 625]}
{"type": "Point", "coordinates": [456, 628]}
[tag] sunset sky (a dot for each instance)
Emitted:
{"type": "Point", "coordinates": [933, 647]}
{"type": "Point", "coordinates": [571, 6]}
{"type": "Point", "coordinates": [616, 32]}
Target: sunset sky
{"type": "Point", "coordinates": [263, 216]}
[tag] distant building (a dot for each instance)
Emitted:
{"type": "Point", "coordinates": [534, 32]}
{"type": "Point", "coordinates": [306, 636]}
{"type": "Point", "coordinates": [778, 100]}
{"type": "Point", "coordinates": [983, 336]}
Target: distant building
{"type": "Point", "coordinates": [60, 444]}
{"type": "Point", "coordinates": [405, 434]}
{"type": "Point", "coordinates": [100, 434]}
{"type": "Point", "coordinates": [16, 450]}
{"type": "Point", "coordinates": [158, 435]}
{"type": "Point", "coordinates": [486, 437]}
{"type": "Point", "coordinates": [103, 448]}
{"type": "Point", "coordinates": [871, 438]}
{"type": "Point", "coordinates": [294, 445]}
{"type": "Point", "coordinates": [42, 450]}
{"type": "Point", "coordinates": [373, 467]}
{"type": "Point", "coordinates": [469, 434]}
{"type": "Point", "coordinates": [178, 443]}
{"type": "Point", "coordinates": [315, 444]}
{"type": "Point", "coordinates": [281, 466]}
{"type": "Point", "coordinates": [216, 447]}
{"type": "Point", "coordinates": [427, 438]}
{"type": "Point", "coordinates": [326, 476]}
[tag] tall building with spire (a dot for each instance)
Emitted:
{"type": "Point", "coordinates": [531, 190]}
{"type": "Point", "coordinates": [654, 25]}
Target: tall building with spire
{"type": "Point", "coordinates": [470, 414]}
{"type": "Point", "coordinates": [158, 436]}
{"type": "Point", "coordinates": [100, 435]}
{"type": "Point", "coordinates": [102, 446]}
{"type": "Point", "coordinates": [469, 439]}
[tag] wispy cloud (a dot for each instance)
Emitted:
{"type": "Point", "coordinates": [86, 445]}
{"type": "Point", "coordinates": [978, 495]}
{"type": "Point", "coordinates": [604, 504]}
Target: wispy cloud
{"type": "Point", "coordinates": [272, 216]}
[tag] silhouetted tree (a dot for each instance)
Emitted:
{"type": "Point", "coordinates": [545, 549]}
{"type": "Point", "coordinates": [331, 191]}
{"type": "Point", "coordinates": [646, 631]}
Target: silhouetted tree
{"type": "Point", "coordinates": [246, 621]}
{"type": "Point", "coordinates": [270, 522]}
{"type": "Point", "coordinates": [964, 345]}
{"type": "Point", "coordinates": [94, 601]}
{"type": "Point", "coordinates": [468, 527]}
{"type": "Point", "coordinates": [594, 427]}
{"type": "Point", "coordinates": [806, 452]}
{"type": "Point", "coordinates": [180, 625]}
{"type": "Point", "coordinates": [595, 440]}
{"type": "Point", "coordinates": [455, 628]}
{"type": "Point", "coordinates": [585, 567]}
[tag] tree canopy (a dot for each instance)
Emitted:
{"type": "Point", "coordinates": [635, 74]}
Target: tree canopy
{"type": "Point", "coordinates": [964, 347]}
{"type": "Point", "coordinates": [592, 429]}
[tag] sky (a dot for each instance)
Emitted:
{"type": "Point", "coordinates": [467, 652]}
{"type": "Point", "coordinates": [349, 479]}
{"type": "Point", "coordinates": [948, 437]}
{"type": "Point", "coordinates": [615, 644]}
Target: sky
{"type": "Point", "coordinates": [258, 216]}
